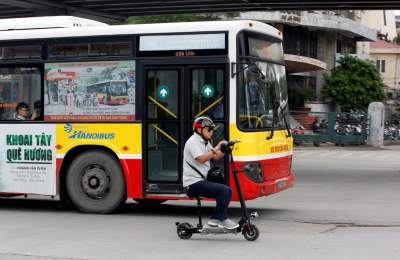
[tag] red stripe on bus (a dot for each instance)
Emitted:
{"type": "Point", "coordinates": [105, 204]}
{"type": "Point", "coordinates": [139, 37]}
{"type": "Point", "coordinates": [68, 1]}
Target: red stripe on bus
{"type": "Point", "coordinates": [132, 169]}
{"type": "Point", "coordinates": [274, 171]}
{"type": "Point", "coordinates": [276, 178]}
{"type": "Point", "coordinates": [59, 162]}
{"type": "Point", "coordinates": [133, 177]}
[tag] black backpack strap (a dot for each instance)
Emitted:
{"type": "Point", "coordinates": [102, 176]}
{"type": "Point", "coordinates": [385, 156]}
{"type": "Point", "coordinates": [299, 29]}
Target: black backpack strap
{"type": "Point", "coordinates": [212, 163]}
{"type": "Point", "coordinates": [191, 166]}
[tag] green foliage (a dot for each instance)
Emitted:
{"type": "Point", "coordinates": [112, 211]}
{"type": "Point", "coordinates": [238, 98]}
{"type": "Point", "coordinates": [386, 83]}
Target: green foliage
{"type": "Point", "coordinates": [396, 39]}
{"type": "Point", "coordinates": [180, 18]}
{"type": "Point", "coordinates": [354, 84]}
{"type": "Point", "coordinates": [301, 94]}
{"type": "Point", "coordinates": [170, 18]}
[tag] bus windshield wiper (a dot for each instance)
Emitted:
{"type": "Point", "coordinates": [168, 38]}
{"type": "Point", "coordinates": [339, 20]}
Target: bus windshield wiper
{"type": "Point", "coordinates": [287, 126]}
{"type": "Point", "coordinates": [276, 110]}
{"type": "Point", "coordinates": [249, 65]}
{"type": "Point", "coordinates": [274, 116]}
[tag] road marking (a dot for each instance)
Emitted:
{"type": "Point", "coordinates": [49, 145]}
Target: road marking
{"type": "Point", "coordinates": [346, 154]}
{"type": "Point", "coordinates": [307, 153]}
{"type": "Point", "coordinates": [365, 155]}
{"type": "Point", "coordinates": [343, 155]}
{"type": "Point", "coordinates": [325, 154]}
{"type": "Point", "coordinates": [382, 156]}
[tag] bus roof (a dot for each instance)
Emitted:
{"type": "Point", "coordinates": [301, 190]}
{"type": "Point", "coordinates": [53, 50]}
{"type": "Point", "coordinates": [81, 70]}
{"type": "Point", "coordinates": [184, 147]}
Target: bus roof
{"type": "Point", "coordinates": [46, 22]}
{"type": "Point", "coordinates": [232, 26]}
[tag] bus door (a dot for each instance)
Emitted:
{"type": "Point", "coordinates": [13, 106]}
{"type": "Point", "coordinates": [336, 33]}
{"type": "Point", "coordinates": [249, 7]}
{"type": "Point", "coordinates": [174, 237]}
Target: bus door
{"type": "Point", "coordinates": [175, 95]}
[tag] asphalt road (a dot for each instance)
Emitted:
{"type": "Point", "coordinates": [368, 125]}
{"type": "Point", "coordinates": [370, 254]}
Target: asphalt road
{"type": "Point", "coordinates": [344, 206]}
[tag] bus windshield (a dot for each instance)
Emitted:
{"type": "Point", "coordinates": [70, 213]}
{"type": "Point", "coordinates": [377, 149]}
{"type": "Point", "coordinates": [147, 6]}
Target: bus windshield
{"type": "Point", "coordinates": [118, 88]}
{"type": "Point", "coordinates": [263, 98]}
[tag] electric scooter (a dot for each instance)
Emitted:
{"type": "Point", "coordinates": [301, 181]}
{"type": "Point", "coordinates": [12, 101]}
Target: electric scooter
{"type": "Point", "coordinates": [250, 231]}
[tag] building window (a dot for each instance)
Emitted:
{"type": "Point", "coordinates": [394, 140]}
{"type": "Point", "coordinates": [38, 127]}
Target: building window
{"type": "Point", "coordinates": [300, 41]}
{"type": "Point", "coordinates": [381, 65]}
{"type": "Point", "coordinates": [345, 45]}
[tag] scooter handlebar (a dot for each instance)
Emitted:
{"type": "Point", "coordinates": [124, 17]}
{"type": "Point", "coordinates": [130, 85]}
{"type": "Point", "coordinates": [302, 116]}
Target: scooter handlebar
{"type": "Point", "coordinates": [228, 146]}
{"type": "Point", "coordinates": [232, 142]}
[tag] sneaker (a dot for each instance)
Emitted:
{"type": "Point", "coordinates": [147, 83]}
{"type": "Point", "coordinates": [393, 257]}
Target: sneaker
{"type": "Point", "coordinates": [213, 222]}
{"type": "Point", "coordinates": [228, 224]}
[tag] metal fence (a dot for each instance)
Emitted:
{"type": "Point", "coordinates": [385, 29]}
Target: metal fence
{"type": "Point", "coordinates": [338, 128]}
{"type": "Point", "coordinates": [392, 129]}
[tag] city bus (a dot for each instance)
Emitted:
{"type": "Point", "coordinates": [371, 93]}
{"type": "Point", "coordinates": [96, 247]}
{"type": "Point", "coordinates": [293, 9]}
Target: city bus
{"type": "Point", "coordinates": [113, 92]}
{"type": "Point", "coordinates": [98, 158]}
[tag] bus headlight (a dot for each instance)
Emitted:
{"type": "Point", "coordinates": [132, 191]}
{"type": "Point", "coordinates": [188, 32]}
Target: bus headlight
{"type": "Point", "coordinates": [253, 171]}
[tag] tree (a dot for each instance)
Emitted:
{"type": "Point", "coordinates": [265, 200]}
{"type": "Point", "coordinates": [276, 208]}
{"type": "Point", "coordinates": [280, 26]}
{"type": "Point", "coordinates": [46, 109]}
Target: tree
{"type": "Point", "coordinates": [396, 39]}
{"type": "Point", "coordinates": [354, 84]}
{"type": "Point", "coordinates": [181, 18]}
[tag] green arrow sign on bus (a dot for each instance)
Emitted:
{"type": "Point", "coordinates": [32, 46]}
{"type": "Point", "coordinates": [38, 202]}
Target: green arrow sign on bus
{"type": "Point", "coordinates": [163, 92]}
{"type": "Point", "coordinates": [208, 91]}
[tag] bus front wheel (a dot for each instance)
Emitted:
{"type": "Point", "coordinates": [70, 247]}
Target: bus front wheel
{"type": "Point", "coordinates": [95, 182]}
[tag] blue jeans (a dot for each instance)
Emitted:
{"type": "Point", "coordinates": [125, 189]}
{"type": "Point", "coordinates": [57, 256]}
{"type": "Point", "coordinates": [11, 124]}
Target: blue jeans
{"type": "Point", "coordinates": [220, 192]}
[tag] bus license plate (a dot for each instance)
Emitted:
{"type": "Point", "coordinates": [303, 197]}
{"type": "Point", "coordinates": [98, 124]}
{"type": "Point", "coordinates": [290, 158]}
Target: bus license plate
{"type": "Point", "coordinates": [281, 184]}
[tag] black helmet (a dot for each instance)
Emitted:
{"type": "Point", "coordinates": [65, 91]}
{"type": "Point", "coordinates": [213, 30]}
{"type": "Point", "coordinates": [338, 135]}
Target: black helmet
{"type": "Point", "coordinates": [202, 122]}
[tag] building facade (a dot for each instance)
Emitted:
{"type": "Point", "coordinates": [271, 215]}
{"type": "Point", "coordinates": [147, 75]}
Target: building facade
{"type": "Point", "coordinates": [384, 53]}
{"type": "Point", "coordinates": [312, 40]}
{"type": "Point", "coordinates": [383, 21]}
{"type": "Point", "coordinates": [387, 58]}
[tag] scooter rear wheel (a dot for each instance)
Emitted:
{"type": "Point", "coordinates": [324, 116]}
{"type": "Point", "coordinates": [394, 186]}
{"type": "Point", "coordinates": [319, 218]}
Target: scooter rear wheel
{"type": "Point", "coordinates": [182, 230]}
{"type": "Point", "coordinates": [251, 232]}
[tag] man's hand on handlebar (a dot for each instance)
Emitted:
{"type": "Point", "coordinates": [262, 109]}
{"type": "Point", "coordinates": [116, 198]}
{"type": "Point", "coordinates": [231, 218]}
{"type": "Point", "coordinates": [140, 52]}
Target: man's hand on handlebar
{"type": "Point", "coordinates": [226, 147]}
{"type": "Point", "coordinates": [219, 146]}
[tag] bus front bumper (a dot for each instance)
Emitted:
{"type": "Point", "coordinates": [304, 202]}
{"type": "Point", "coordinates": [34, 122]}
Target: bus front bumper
{"type": "Point", "coordinates": [275, 186]}
{"type": "Point", "coordinates": [252, 190]}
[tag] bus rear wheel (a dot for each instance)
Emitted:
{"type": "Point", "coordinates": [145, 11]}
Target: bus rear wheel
{"type": "Point", "coordinates": [95, 182]}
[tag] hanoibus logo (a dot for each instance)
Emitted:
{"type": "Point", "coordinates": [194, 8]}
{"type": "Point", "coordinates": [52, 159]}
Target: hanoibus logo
{"type": "Point", "coordinates": [68, 128]}
{"type": "Point", "coordinates": [80, 133]}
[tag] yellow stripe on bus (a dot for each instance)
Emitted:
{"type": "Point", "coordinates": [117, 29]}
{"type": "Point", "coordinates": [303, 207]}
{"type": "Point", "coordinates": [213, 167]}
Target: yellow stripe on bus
{"type": "Point", "coordinates": [256, 143]}
{"type": "Point", "coordinates": [119, 137]}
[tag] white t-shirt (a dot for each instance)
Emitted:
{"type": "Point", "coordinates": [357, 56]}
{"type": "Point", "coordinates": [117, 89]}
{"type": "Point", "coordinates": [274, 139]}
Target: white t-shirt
{"type": "Point", "coordinates": [194, 147]}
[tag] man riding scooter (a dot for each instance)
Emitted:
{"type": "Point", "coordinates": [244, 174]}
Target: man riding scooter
{"type": "Point", "coordinates": [197, 154]}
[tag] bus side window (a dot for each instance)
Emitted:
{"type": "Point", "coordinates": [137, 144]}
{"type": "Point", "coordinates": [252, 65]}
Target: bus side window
{"type": "Point", "coordinates": [17, 85]}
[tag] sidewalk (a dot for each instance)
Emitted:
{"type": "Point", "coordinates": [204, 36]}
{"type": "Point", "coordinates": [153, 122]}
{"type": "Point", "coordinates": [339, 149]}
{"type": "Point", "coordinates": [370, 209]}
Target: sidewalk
{"type": "Point", "coordinates": [330, 146]}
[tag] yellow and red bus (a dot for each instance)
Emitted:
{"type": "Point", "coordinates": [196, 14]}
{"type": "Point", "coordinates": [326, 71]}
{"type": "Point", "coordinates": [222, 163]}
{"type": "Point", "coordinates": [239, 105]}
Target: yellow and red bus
{"type": "Point", "coordinates": [113, 92]}
{"type": "Point", "coordinates": [98, 156]}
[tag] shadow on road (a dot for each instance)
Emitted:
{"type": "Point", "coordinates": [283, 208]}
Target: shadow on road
{"type": "Point", "coordinates": [54, 206]}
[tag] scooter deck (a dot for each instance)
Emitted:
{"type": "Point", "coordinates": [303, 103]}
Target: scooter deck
{"type": "Point", "coordinates": [217, 230]}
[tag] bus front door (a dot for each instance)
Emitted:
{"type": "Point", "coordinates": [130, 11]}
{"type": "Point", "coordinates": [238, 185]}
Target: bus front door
{"type": "Point", "coordinates": [175, 95]}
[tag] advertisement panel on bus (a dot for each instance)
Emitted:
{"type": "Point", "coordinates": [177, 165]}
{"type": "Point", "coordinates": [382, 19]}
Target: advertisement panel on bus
{"type": "Point", "coordinates": [90, 91]}
{"type": "Point", "coordinates": [28, 159]}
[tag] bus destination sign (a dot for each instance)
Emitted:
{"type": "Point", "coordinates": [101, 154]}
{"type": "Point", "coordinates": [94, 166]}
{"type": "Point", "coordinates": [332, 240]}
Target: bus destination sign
{"type": "Point", "coordinates": [182, 45]}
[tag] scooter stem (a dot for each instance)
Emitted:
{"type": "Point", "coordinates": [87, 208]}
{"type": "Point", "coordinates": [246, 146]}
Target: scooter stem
{"type": "Point", "coordinates": [238, 188]}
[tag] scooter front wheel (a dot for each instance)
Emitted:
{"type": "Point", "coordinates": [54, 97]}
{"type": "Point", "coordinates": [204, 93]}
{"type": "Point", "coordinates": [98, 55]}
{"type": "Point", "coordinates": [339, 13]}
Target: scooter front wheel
{"type": "Point", "coordinates": [182, 230]}
{"type": "Point", "coordinates": [251, 232]}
